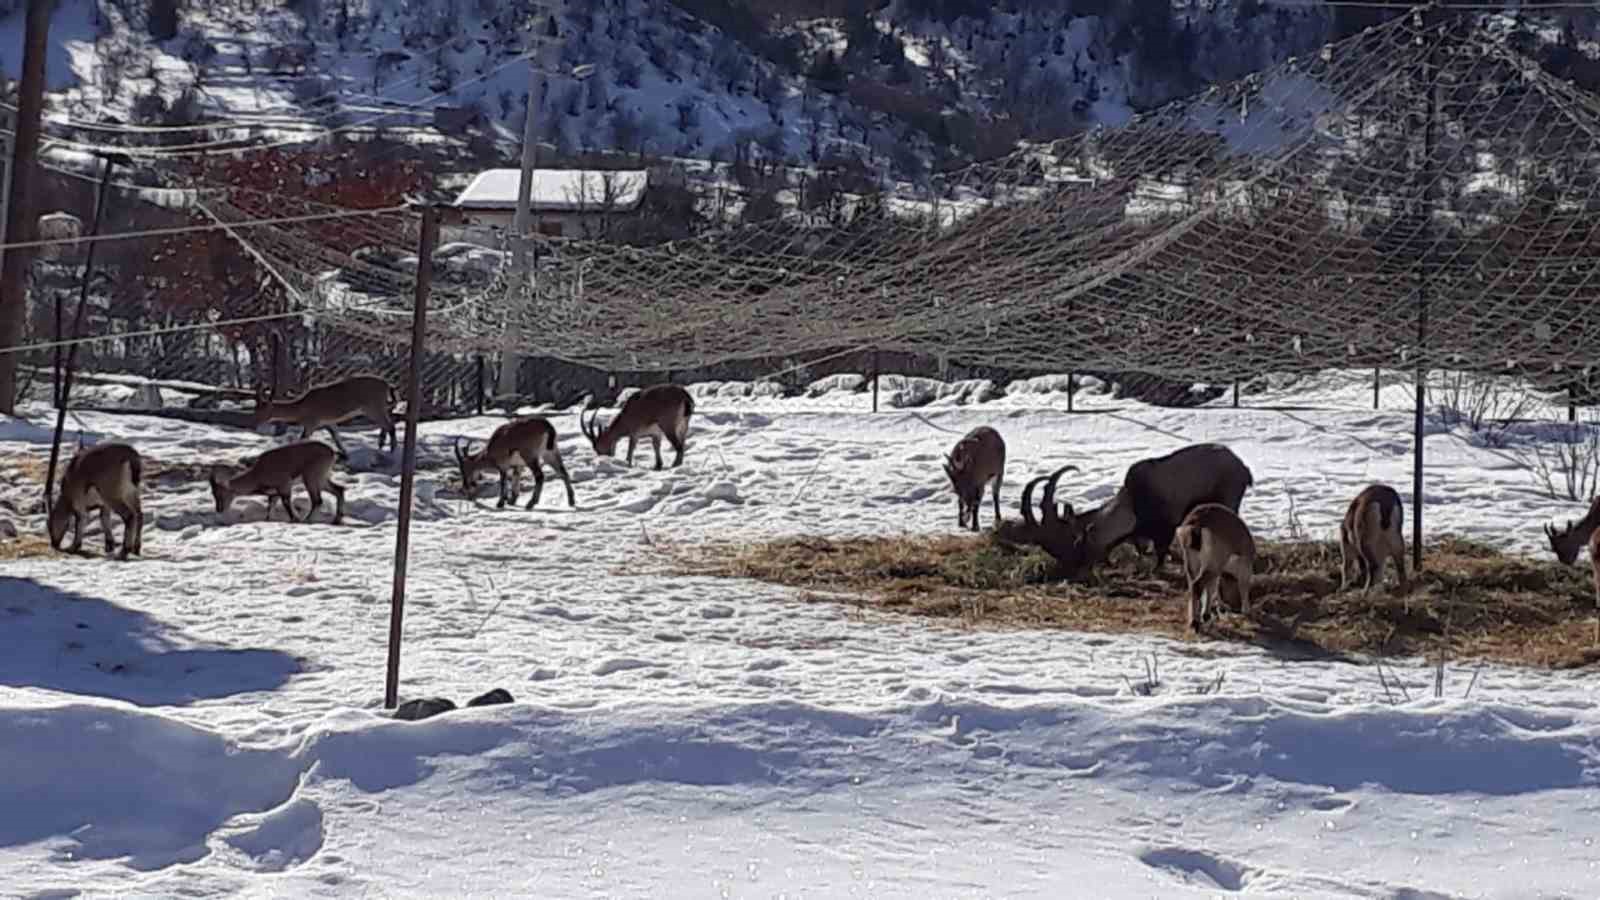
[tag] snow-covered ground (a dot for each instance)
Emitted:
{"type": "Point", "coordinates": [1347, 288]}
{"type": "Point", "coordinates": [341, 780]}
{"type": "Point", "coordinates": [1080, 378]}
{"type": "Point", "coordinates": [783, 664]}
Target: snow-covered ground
{"type": "Point", "coordinates": [206, 720]}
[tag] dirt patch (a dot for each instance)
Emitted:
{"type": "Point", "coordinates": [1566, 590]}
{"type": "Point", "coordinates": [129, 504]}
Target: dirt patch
{"type": "Point", "coordinates": [1472, 601]}
{"type": "Point", "coordinates": [26, 546]}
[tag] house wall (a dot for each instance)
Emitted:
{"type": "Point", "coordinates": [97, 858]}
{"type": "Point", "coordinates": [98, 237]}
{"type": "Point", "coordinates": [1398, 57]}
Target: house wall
{"type": "Point", "coordinates": [584, 224]}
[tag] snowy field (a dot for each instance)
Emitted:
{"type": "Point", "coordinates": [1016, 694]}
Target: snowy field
{"type": "Point", "coordinates": [207, 720]}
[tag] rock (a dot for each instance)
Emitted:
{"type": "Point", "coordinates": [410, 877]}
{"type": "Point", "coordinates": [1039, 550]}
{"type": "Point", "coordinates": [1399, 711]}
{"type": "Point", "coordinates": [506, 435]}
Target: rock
{"type": "Point", "coordinates": [492, 698]}
{"type": "Point", "coordinates": [424, 708]}
{"type": "Point", "coordinates": [8, 531]}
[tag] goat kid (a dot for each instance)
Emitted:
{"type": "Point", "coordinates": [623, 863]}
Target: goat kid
{"type": "Point", "coordinates": [662, 410]}
{"type": "Point", "coordinates": [273, 474]}
{"type": "Point", "coordinates": [1371, 535]}
{"type": "Point", "coordinates": [1214, 542]}
{"type": "Point", "coordinates": [527, 442]}
{"type": "Point", "coordinates": [977, 459]}
{"type": "Point", "coordinates": [328, 405]}
{"type": "Point", "coordinates": [107, 474]}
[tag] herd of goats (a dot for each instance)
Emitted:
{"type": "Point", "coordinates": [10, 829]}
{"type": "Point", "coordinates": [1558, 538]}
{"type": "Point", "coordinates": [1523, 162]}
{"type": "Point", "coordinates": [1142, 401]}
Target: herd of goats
{"type": "Point", "coordinates": [1189, 497]}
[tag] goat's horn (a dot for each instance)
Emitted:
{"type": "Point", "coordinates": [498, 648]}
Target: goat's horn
{"type": "Point", "coordinates": [1027, 503]}
{"type": "Point", "coordinates": [1048, 504]}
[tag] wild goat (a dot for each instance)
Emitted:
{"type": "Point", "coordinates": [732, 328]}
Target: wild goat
{"type": "Point", "coordinates": [107, 474]}
{"type": "Point", "coordinates": [1568, 541]}
{"type": "Point", "coordinates": [527, 442]}
{"type": "Point", "coordinates": [1154, 497]}
{"type": "Point", "coordinates": [1214, 542]}
{"type": "Point", "coordinates": [273, 474]}
{"type": "Point", "coordinates": [1371, 535]}
{"type": "Point", "coordinates": [978, 458]}
{"type": "Point", "coordinates": [328, 405]}
{"type": "Point", "coordinates": [658, 411]}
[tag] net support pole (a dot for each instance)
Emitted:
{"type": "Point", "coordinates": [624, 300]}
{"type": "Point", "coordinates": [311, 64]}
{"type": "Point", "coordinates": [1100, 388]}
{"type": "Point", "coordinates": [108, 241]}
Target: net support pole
{"type": "Point", "coordinates": [876, 372]}
{"type": "Point", "coordinates": [408, 464]}
{"type": "Point", "coordinates": [77, 326]}
{"type": "Point", "coordinates": [1429, 75]}
{"type": "Point", "coordinates": [59, 364]}
{"type": "Point", "coordinates": [480, 384]}
{"type": "Point", "coordinates": [20, 177]}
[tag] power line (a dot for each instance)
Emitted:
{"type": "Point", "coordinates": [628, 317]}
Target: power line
{"type": "Point", "coordinates": [185, 229]}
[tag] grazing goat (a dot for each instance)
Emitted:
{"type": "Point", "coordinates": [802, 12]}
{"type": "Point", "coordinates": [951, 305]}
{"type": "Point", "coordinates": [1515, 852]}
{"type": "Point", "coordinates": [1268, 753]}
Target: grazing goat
{"type": "Point", "coordinates": [1154, 497]}
{"type": "Point", "coordinates": [1570, 540]}
{"type": "Point", "coordinates": [978, 459]}
{"type": "Point", "coordinates": [107, 474]}
{"type": "Point", "coordinates": [658, 411]}
{"type": "Point", "coordinates": [330, 404]}
{"type": "Point", "coordinates": [1214, 542]}
{"type": "Point", "coordinates": [273, 474]}
{"type": "Point", "coordinates": [1370, 536]}
{"type": "Point", "coordinates": [527, 442]}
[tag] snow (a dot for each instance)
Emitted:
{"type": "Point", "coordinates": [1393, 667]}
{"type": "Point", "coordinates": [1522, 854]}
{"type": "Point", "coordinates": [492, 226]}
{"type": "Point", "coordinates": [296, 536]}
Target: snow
{"type": "Point", "coordinates": [206, 720]}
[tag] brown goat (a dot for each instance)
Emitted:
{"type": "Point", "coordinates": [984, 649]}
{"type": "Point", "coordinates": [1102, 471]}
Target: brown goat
{"type": "Point", "coordinates": [108, 474]}
{"type": "Point", "coordinates": [328, 405]}
{"type": "Point", "coordinates": [978, 459]}
{"type": "Point", "coordinates": [1371, 535]}
{"type": "Point", "coordinates": [658, 411]}
{"type": "Point", "coordinates": [527, 442]}
{"type": "Point", "coordinates": [273, 474]}
{"type": "Point", "coordinates": [1214, 542]}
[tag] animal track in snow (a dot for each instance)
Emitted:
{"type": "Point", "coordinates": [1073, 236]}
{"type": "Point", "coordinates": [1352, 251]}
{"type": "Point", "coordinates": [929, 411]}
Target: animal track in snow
{"type": "Point", "coordinates": [1199, 867]}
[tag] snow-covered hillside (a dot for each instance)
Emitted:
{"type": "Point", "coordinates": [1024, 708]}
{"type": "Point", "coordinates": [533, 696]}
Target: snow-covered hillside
{"type": "Point", "coordinates": [900, 89]}
{"type": "Point", "coordinates": [205, 720]}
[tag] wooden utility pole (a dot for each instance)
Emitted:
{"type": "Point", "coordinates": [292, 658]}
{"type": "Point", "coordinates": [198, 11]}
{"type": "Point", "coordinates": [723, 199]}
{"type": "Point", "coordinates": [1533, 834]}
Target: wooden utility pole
{"type": "Point", "coordinates": [21, 224]}
{"type": "Point", "coordinates": [408, 466]}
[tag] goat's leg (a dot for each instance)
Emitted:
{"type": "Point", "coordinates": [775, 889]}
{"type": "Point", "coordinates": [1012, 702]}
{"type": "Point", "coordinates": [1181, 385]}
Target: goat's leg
{"type": "Point", "coordinates": [561, 470]}
{"type": "Point", "coordinates": [1346, 552]}
{"type": "Point", "coordinates": [105, 528]}
{"type": "Point", "coordinates": [338, 501]}
{"type": "Point", "coordinates": [1195, 596]}
{"type": "Point", "coordinates": [314, 492]}
{"type": "Point", "coordinates": [1374, 570]}
{"type": "Point", "coordinates": [538, 481]}
{"type": "Point", "coordinates": [333, 433]}
{"type": "Point", "coordinates": [655, 444]}
{"type": "Point", "coordinates": [678, 445]}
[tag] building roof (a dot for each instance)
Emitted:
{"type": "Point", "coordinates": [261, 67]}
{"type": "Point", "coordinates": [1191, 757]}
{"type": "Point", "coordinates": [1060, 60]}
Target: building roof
{"type": "Point", "coordinates": [557, 190]}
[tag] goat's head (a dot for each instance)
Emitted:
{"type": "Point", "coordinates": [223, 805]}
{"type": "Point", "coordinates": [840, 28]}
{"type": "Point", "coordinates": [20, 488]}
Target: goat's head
{"type": "Point", "coordinates": [1565, 542]}
{"type": "Point", "coordinates": [603, 438]}
{"type": "Point", "coordinates": [467, 465]}
{"type": "Point", "coordinates": [969, 493]}
{"type": "Point", "coordinates": [1056, 530]}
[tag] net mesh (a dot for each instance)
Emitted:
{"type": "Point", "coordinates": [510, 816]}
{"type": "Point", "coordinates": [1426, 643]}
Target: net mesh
{"type": "Point", "coordinates": [1415, 195]}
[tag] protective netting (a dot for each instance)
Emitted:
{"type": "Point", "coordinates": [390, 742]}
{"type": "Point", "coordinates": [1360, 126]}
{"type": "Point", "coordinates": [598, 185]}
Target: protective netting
{"type": "Point", "coordinates": [1300, 218]}
{"type": "Point", "coordinates": [1418, 194]}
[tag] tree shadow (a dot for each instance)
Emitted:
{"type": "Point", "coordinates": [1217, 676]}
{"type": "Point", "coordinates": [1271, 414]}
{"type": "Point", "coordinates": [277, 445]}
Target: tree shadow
{"type": "Point", "coordinates": [78, 644]}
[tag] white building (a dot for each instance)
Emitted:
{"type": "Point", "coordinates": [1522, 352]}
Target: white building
{"type": "Point", "coordinates": [575, 203]}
